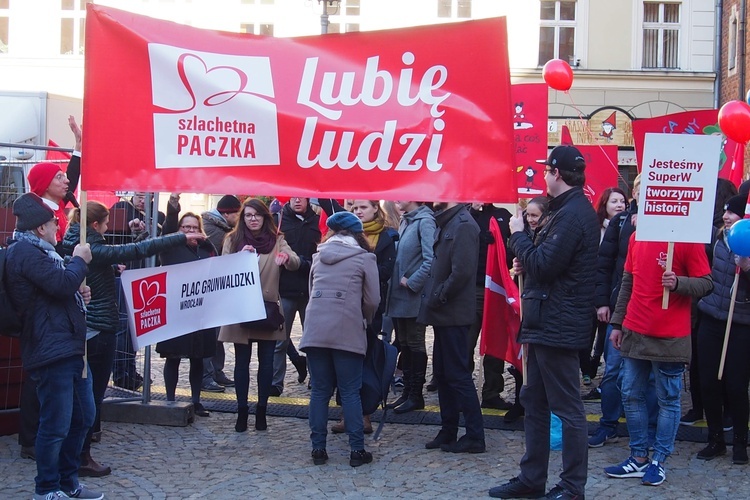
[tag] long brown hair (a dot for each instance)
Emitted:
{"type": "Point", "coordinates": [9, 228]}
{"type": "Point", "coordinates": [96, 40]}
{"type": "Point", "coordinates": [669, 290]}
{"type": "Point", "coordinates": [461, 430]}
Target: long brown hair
{"type": "Point", "coordinates": [236, 235]}
{"type": "Point", "coordinates": [95, 212]}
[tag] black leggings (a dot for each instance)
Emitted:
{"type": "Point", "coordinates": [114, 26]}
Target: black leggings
{"type": "Point", "coordinates": [172, 372]}
{"type": "Point", "coordinates": [736, 373]}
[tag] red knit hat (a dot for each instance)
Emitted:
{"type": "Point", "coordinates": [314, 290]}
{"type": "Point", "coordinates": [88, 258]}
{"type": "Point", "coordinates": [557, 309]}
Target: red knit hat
{"type": "Point", "coordinates": [40, 177]}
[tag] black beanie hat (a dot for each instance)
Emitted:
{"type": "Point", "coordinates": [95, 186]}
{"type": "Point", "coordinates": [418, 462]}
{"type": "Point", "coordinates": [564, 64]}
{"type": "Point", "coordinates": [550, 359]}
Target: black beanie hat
{"type": "Point", "coordinates": [31, 212]}
{"type": "Point", "coordinates": [736, 205]}
{"type": "Point", "coordinates": [228, 204]}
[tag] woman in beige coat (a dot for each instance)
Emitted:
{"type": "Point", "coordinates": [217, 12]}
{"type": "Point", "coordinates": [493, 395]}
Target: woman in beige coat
{"type": "Point", "coordinates": [256, 232]}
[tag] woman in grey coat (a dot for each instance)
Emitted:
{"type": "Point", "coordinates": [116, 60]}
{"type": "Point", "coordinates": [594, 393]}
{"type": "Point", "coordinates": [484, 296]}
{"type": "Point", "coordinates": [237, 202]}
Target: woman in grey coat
{"type": "Point", "coordinates": [344, 295]}
{"type": "Point", "coordinates": [413, 261]}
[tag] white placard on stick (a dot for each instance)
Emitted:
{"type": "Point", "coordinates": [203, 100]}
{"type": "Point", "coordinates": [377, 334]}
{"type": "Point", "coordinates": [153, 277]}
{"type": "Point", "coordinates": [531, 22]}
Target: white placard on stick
{"type": "Point", "coordinates": [678, 187]}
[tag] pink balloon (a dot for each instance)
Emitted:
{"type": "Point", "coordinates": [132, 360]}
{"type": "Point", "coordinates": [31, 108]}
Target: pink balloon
{"type": "Point", "coordinates": [734, 121]}
{"type": "Point", "coordinates": [557, 74]}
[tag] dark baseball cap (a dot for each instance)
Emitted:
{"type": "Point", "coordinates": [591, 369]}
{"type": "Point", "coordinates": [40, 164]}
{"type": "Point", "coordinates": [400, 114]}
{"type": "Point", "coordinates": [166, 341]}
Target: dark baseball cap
{"type": "Point", "coordinates": [565, 158]}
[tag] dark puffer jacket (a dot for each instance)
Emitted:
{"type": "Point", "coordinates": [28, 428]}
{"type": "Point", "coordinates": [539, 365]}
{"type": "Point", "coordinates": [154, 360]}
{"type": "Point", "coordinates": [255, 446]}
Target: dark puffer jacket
{"type": "Point", "coordinates": [54, 326]}
{"type": "Point", "coordinates": [610, 261]}
{"type": "Point", "coordinates": [303, 235]}
{"type": "Point", "coordinates": [559, 284]}
{"type": "Point", "coordinates": [716, 304]}
{"type": "Point", "coordinates": [102, 310]}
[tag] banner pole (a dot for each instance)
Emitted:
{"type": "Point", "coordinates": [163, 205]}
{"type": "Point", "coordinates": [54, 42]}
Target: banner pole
{"type": "Point", "coordinates": [83, 215]}
{"type": "Point", "coordinates": [524, 347]}
{"type": "Point", "coordinates": [729, 322]}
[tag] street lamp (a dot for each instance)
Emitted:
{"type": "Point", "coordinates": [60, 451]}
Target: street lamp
{"type": "Point", "coordinates": [324, 16]}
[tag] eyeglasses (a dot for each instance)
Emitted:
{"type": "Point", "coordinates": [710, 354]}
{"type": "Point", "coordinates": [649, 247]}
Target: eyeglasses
{"type": "Point", "coordinates": [253, 216]}
{"type": "Point", "coordinates": [190, 228]}
{"type": "Point", "coordinates": [548, 170]}
{"type": "Point", "coordinates": [295, 199]}
{"type": "Point", "coordinates": [56, 221]}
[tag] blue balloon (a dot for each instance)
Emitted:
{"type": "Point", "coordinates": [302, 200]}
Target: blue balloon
{"type": "Point", "coordinates": [747, 97]}
{"type": "Point", "coordinates": [738, 238]}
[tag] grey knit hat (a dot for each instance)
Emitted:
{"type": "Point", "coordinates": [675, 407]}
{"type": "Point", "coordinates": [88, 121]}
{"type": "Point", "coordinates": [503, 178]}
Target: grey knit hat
{"type": "Point", "coordinates": [31, 212]}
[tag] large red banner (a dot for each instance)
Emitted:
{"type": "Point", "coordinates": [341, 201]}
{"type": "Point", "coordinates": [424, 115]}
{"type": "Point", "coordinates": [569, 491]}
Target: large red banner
{"type": "Point", "coordinates": [421, 113]}
{"type": "Point", "coordinates": [701, 122]}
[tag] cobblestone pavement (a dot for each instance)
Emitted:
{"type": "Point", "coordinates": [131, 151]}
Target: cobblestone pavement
{"type": "Point", "coordinates": [208, 459]}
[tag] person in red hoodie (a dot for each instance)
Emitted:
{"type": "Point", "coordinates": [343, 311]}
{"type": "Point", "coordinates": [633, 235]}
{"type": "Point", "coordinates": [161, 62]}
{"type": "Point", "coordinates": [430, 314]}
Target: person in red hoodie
{"type": "Point", "coordinates": [655, 340]}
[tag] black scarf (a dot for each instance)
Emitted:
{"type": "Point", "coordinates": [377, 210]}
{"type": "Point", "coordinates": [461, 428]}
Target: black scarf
{"type": "Point", "coordinates": [263, 243]}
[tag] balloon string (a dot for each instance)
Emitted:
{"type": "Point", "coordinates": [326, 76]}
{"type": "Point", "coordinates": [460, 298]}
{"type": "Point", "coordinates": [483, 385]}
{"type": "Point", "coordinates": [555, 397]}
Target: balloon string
{"type": "Point", "coordinates": [587, 127]}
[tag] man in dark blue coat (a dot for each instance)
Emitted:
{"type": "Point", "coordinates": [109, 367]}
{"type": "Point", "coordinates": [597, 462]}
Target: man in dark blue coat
{"type": "Point", "coordinates": [50, 299]}
{"type": "Point", "coordinates": [558, 298]}
{"type": "Point", "coordinates": [448, 304]}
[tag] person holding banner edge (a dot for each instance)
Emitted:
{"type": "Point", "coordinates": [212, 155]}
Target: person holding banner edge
{"type": "Point", "coordinates": [195, 346]}
{"type": "Point", "coordinates": [257, 232]}
{"type": "Point", "coordinates": [102, 318]}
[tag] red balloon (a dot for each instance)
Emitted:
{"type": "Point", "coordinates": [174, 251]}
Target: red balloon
{"type": "Point", "coordinates": [557, 74]}
{"type": "Point", "coordinates": [734, 121]}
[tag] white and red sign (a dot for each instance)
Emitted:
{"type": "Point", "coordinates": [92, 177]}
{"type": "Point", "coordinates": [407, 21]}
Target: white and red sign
{"type": "Point", "coordinates": [169, 301]}
{"type": "Point", "coordinates": [678, 187]}
{"type": "Point", "coordinates": [530, 113]}
{"type": "Point", "coordinates": [423, 111]}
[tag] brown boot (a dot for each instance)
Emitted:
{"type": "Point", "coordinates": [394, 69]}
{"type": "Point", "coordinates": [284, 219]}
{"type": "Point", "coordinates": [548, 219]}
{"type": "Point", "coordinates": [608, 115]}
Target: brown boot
{"type": "Point", "coordinates": [89, 467]}
{"type": "Point", "coordinates": [338, 428]}
{"type": "Point", "coordinates": [368, 424]}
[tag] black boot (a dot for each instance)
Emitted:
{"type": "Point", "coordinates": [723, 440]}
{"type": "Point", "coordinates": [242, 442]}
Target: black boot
{"type": "Point", "coordinates": [416, 399]}
{"type": "Point", "coordinates": [260, 418]}
{"type": "Point", "coordinates": [715, 448]}
{"type": "Point", "coordinates": [405, 358]}
{"type": "Point", "coordinates": [301, 365]}
{"type": "Point", "coordinates": [739, 448]}
{"type": "Point", "coordinates": [241, 425]}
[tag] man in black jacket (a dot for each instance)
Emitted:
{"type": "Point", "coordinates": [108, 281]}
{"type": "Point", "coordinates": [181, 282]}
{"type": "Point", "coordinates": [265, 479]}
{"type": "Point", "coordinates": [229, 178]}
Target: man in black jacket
{"type": "Point", "coordinates": [300, 225]}
{"type": "Point", "coordinates": [448, 304]}
{"type": "Point", "coordinates": [50, 299]}
{"type": "Point", "coordinates": [558, 298]}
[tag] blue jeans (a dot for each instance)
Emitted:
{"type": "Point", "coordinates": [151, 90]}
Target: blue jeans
{"type": "Point", "coordinates": [330, 368]}
{"type": "Point", "coordinates": [66, 413]}
{"type": "Point", "coordinates": [242, 354]}
{"type": "Point", "coordinates": [668, 380]}
{"type": "Point", "coordinates": [611, 395]}
{"type": "Point", "coordinates": [285, 347]}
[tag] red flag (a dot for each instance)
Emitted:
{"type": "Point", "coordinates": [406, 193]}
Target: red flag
{"type": "Point", "coordinates": [501, 319]}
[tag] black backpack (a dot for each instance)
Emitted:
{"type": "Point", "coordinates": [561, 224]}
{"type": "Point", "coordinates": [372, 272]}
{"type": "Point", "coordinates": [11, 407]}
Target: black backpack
{"type": "Point", "coordinates": [377, 374]}
{"type": "Point", "coordinates": [10, 321]}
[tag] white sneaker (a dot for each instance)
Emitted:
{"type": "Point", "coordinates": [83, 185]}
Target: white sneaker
{"type": "Point", "coordinates": [83, 492]}
{"type": "Point", "coordinates": [53, 495]}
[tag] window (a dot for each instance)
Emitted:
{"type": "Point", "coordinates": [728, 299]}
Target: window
{"type": "Point", "coordinates": [557, 30]}
{"type": "Point", "coordinates": [661, 34]}
{"type": "Point", "coordinates": [72, 26]}
{"type": "Point", "coordinates": [352, 8]}
{"type": "Point", "coordinates": [4, 22]}
{"type": "Point", "coordinates": [446, 8]}
{"type": "Point", "coordinates": [347, 17]}
{"type": "Point", "coordinates": [265, 29]}
{"type": "Point", "coordinates": [732, 44]}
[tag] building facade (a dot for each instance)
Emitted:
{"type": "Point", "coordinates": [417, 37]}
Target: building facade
{"type": "Point", "coordinates": [631, 58]}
